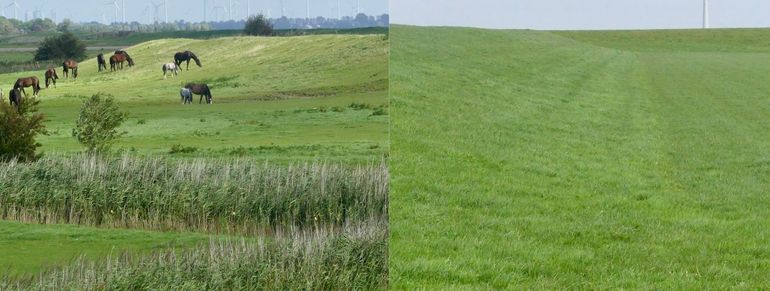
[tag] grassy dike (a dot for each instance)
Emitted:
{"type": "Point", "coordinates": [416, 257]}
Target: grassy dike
{"type": "Point", "coordinates": [579, 160]}
{"type": "Point", "coordinates": [279, 98]}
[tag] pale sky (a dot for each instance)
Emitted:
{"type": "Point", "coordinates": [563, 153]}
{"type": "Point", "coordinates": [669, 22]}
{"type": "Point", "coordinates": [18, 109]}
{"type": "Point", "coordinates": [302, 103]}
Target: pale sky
{"type": "Point", "coordinates": [580, 14]}
{"type": "Point", "coordinates": [189, 10]}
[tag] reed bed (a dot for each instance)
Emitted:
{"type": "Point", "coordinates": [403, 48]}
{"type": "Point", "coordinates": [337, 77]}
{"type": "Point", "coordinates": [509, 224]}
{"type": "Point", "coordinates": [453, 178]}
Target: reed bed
{"type": "Point", "coordinates": [208, 195]}
{"type": "Point", "coordinates": [319, 259]}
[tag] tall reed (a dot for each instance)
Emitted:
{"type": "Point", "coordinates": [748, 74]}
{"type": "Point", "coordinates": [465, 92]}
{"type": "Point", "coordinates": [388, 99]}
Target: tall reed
{"type": "Point", "coordinates": [209, 195]}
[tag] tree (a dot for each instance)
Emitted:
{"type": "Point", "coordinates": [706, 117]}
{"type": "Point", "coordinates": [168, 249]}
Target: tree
{"type": "Point", "coordinates": [258, 25]}
{"type": "Point", "coordinates": [97, 125]}
{"type": "Point", "coordinates": [18, 129]}
{"type": "Point", "coordinates": [64, 25]}
{"type": "Point", "coordinates": [63, 46]}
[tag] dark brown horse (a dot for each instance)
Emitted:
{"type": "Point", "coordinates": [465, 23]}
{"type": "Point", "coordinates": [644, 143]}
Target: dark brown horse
{"type": "Point", "coordinates": [201, 89]}
{"type": "Point", "coordinates": [186, 56]}
{"type": "Point", "coordinates": [15, 97]}
{"type": "Point", "coordinates": [128, 57]}
{"type": "Point", "coordinates": [102, 63]}
{"type": "Point", "coordinates": [51, 77]}
{"type": "Point", "coordinates": [33, 82]}
{"type": "Point", "coordinates": [119, 59]}
{"type": "Point", "coordinates": [70, 65]}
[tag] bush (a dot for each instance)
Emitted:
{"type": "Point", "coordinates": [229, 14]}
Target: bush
{"type": "Point", "coordinates": [97, 125]}
{"type": "Point", "coordinates": [360, 106]}
{"type": "Point", "coordinates": [18, 129]}
{"type": "Point", "coordinates": [180, 149]}
{"type": "Point", "coordinates": [258, 25]}
{"type": "Point", "coordinates": [381, 110]}
{"type": "Point", "coordinates": [64, 46]}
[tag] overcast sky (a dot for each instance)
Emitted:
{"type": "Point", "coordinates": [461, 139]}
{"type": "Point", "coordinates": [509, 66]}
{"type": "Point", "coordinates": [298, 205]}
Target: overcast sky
{"type": "Point", "coordinates": [580, 14]}
{"type": "Point", "coordinates": [189, 10]}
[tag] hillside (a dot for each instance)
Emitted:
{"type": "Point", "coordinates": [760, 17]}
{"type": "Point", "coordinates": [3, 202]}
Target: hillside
{"type": "Point", "coordinates": [273, 97]}
{"type": "Point", "coordinates": [579, 160]}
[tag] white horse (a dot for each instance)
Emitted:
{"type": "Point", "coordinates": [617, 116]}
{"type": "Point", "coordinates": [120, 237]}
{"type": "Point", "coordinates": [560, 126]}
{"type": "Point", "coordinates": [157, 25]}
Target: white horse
{"type": "Point", "coordinates": [170, 67]}
{"type": "Point", "coordinates": [186, 95]}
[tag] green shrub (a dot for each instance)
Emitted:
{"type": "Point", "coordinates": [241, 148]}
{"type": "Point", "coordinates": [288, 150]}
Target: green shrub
{"type": "Point", "coordinates": [258, 25]}
{"type": "Point", "coordinates": [18, 129]}
{"type": "Point", "coordinates": [97, 125]}
{"type": "Point", "coordinates": [60, 47]}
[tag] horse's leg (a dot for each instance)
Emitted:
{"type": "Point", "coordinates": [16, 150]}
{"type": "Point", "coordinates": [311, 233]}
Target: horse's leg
{"type": "Point", "coordinates": [188, 64]}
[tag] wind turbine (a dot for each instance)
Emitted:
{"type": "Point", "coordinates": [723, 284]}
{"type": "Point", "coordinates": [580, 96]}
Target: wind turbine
{"type": "Point", "coordinates": [146, 13]}
{"type": "Point", "coordinates": [114, 3]}
{"type": "Point", "coordinates": [339, 13]}
{"type": "Point", "coordinates": [15, 6]}
{"type": "Point", "coordinates": [157, 8]}
{"type": "Point", "coordinates": [124, 11]}
{"type": "Point", "coordinates": [705, 14]}
{"type": "Point", "coordinates": [307, 9]}
{"type": "Point", "coordinates": [165, 11]}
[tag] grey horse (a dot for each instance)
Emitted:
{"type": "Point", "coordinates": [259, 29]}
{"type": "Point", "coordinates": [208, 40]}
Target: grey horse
{"type": "Point", "coordinates": [186, 95]}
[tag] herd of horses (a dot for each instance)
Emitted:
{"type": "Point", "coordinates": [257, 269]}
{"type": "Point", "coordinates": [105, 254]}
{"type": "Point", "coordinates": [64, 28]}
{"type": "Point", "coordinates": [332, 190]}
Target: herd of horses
{"type": "Point", "coordinates": [116, 63]}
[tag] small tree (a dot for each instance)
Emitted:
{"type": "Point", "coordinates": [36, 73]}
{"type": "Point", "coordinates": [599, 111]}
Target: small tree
{"type": "Point", "coordinates": [18, 129]}
{"type": "Point", "coordinates": [64, 46]}
{"type": "Point", "coordinates": [258, 25]}
{"type": "Point", "coordinates": [97, 125]}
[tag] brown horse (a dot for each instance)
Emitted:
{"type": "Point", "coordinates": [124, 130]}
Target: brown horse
{"type": "Point", "coordinates": [15, 97]}
{"type": "Point", "coordinates": [70, 65]}
{"type": "Point", "coordinates": [128, 57]}
{"type": "Point", "coordinates": [201, 89]}
{"type": "Point", "coordinates": [186, 56]}
{"type": "Point", "coordinates": [51, 77]}
{"type": "Point", "coordinates": [116, 60]}
{"type": "Point", "coordinates": [100, 61]}
{"type": "Point", "coordinates": [33, 82]}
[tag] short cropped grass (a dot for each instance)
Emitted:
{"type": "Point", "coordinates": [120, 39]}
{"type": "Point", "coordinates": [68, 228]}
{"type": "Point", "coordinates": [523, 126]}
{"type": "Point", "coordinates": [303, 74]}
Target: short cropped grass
{"type": "Point", "coordinates": [541, 160]}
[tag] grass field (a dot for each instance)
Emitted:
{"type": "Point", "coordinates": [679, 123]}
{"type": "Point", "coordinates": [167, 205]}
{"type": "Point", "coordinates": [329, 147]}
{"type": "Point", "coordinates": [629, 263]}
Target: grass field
{"type": "Point", "coordinates": [579, 160]}
{"type": "Point", "coordinates": [290, 148]}
{"type": "Point", "coordinates": [286, 98]}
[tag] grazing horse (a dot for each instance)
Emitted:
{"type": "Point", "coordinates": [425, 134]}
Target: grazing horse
{"type": "Point", "coordinates": [102, 63]}
{"type": "Point", "coordinates": [119, 59]}
{"type": "Point", "coordinates": [33, 82]}
{"type": "Point", "coordinates": [170, 67]}
{"type": "Point", "coordinates": [15, 97]}
{"type": "Point", "coordinates": [51, 76]}
{"type": "Point", "coordinates": [186, 56]}
{"type": "Point", "coordinates": [128, 58]}
{"type": "Point", "coordinates": [201, 89]}
{"type": "Point", "coordinates": [70, 65]}
{"type": "Point", "coordinates": [186, 95]}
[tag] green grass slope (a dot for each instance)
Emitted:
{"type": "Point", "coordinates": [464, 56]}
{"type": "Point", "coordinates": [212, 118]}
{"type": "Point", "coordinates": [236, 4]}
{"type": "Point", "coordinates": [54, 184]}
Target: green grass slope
{"type": "Point", "coordinates": [540, 160]}
{"type": "Point", "coordinates": [278, 97]}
